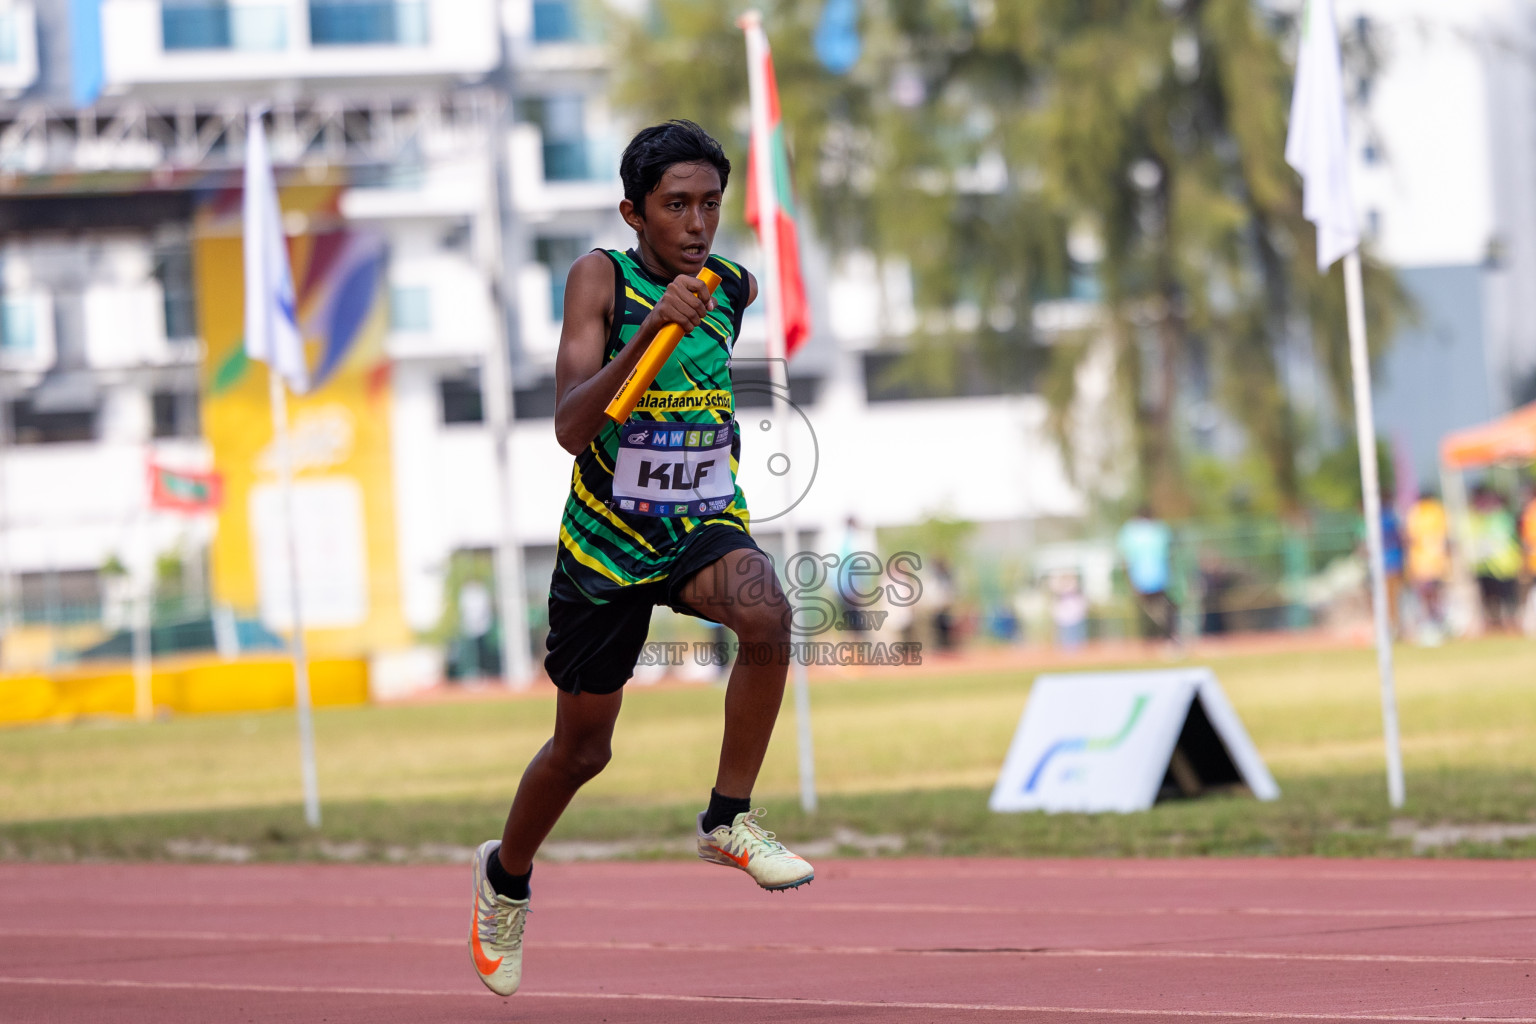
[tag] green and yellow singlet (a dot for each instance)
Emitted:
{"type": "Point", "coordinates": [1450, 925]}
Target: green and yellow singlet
{"type": "Point", "coordinates": [604, 548]}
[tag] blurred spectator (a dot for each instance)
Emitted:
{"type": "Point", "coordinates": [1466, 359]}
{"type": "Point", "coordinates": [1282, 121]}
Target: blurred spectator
{"type": "Point", "coordinates": [1392, 564]}
{"type": "Point", "coordinates": [1216, 582]}
{"type": "Point", "coordinates": [900, 624]}
{"type": "Point", "coordinates": [476, 652]}
{"type": "Point", "coordinates": [939, 594]}
{"type": "Point", "coordinates": [1144, 544]}
{"type": "Point", "coordinates": [1069, 610]}
{"type": "Point", "coordinates": [1031, 609]}
{"type": "Point", "coordinates": [1496, 558]}
{"type": "Point", "coordinates": [1528, 532]}
{"type": "Point", "coordinates": [1002, 623]}
{"type": "Point", "coordinates": [857, 540]}
{"type": "Point", "coordinates": [1528, 538]}
{"type": "Point", "coordinates": [710, 663]}
{"type": "Point", "coordinates": [1428, 560]}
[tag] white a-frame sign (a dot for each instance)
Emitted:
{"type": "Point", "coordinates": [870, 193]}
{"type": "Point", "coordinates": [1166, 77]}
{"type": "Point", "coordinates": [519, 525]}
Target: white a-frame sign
{"type": "Point", "coordinates": [1119, 741]}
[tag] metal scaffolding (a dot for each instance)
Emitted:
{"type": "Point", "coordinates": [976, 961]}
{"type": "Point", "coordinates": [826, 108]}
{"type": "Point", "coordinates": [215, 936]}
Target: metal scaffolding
{"type": "Point", "coordinates": [166, 141]}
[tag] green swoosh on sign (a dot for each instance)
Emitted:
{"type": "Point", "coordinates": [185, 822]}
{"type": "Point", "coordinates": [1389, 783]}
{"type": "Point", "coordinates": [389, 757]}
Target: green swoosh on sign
{"type": "Point", "coordinates": [1111, 742]}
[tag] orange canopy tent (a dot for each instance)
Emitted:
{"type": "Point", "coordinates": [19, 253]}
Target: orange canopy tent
{"type": "Point", "coordinates": [1511, 438]}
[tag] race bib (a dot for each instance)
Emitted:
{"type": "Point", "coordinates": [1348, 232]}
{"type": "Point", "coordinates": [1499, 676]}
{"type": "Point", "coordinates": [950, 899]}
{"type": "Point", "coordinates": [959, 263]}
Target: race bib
{"type": "Point", "coordinates": [673, 469]}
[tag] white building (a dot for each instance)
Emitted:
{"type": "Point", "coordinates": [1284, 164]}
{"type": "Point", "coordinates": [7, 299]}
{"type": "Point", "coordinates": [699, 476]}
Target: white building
{"type": "Point", "coordinates": [1444, 135]}
{"type": "Point", "coordinates": [98, 348]}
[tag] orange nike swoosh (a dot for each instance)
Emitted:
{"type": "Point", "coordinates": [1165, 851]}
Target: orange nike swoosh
{"type": "Point", "coordinates": [484, 963]}
{"type": "Point", "coordinates": [741, 861]}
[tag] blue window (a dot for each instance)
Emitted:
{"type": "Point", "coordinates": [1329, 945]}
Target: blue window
{"type": "Point", "coordinates": [8, 37]}
{"type": "Point", "coordinates": [566, 160]}
{"type": "Point", "coordinates": [213, 25]}
{"type": "Point", "coordinates": [368, 22]}
{"type": "Point", "coordinates": [410, 309]}
{"type": "Point", "coordinates": [562, 123]}
{"type": "Point", "coordinates": [558, 254]}
{"type": "Point", "coordinates": [173, 269]}
{"type": "Point", "coordinates": [194, 26]}
{"type": "Point", "coordinates": [555, 21]}
{"type": "Point", "coordinates": [18, 332]}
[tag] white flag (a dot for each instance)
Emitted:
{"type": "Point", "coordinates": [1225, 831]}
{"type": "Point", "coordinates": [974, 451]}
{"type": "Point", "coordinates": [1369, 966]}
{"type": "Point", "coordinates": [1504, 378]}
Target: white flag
{"type": "Point", "coordinates": [1317, 145]}
{"type": "Point", "coordinates": [271, 321]}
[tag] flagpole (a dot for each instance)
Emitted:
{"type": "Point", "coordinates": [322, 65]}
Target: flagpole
{"type": "Point", "coordinates": [272, 336]}
{"type": "Point", "coordinates": [1317, 146]}
{"type": "Point", "coordinates": [143, 607]}
{"type": "Point", "coordinates": [301, 696]}
{"type": "Point", "coordinates": [1370, 481]}
{"type": "Point", "coordinates": [766, 198]}
{"type": "Point", "coordinates": [496, 389]}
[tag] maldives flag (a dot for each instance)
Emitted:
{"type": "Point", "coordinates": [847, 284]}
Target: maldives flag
{"type": "Point", "coordinates": [183, 491]}
{"type": "Point", "coordinates": [795, 310]}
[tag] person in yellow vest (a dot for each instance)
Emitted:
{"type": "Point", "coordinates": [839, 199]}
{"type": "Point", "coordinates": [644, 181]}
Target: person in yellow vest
{"type": "Point", "coordinates": [1496, 559]}
{"type": "Point", "coordinates": [1528, 539]}
{"type": "Point", "coordinates": [1528, 534]}
{"type": "Point", "coordinates": [1427, 532]}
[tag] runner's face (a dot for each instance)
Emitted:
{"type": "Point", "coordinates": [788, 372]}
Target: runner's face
{"type": "Point", "coordinates": [679, 219]}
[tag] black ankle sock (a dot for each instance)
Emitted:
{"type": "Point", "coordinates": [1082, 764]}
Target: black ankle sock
{"type": "Point", "coordinates": [513, 887]}
{"type": "Point", "coordinates": [723, 810]}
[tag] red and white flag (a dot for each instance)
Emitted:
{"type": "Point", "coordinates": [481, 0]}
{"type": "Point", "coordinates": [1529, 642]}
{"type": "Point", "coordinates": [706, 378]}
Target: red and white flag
{"type": "Point", "coordinates": [771, 203]}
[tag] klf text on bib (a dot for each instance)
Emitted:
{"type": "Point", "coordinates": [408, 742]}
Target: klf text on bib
{"type": "Point", "coordinates": [673, 469]}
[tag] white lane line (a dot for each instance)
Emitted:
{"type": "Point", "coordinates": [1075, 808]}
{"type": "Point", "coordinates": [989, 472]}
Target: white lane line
{"type": "Point", "coordinates": [862, 1004]}
{"type": "Point", "coordinates": [107, 935]}
{"type": "Point", "coordinates": [1379, 871]}
{"type": "Point", "coordinates": [804, 906]}
{"type": "Point", "coordinates": [1219, 872]}
{"type": "Point", "coordinates": [994, 910]}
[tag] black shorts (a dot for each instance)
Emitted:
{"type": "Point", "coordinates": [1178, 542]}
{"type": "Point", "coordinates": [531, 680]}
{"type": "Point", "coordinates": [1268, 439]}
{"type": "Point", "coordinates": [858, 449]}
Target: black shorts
{"type": "Point", "coordinates": [593, 647]}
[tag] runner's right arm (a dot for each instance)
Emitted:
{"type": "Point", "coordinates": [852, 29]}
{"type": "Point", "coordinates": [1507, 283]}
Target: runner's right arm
{"type": "Point", "coordinates": [583, 385]}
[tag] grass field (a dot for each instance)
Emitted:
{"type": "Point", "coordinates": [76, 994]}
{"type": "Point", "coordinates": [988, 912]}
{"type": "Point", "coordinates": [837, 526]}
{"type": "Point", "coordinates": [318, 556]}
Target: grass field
{"type": "Point", "coordinates": [905, 757]}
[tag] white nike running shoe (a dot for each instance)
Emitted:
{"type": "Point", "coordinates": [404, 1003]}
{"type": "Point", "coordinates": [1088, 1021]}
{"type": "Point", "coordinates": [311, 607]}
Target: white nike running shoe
{"type": "Point", "coordinates": [746, 845]}
{"type": "Point", "coordinates": [496, 931]}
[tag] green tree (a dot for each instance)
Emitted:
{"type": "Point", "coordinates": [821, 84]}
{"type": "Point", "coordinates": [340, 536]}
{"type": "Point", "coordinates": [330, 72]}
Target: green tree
{"type": "Point", "coordinates": [1166, 126]}
{"type": "Point", "coordinates": [904, 156]}
{"type": "Point", "coordinates": [974, 139]}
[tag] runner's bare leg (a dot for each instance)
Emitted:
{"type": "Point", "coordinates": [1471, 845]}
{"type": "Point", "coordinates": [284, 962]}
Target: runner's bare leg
{"type": "Point", "coordinates": [741, 592]}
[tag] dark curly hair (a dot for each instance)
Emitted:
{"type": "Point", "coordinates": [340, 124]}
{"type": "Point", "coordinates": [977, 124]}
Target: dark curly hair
{"type": "Point", "coordinates": [658, 147]}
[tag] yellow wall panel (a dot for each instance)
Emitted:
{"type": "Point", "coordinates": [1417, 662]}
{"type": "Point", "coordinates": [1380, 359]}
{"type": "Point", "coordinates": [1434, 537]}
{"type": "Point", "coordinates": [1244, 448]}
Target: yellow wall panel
{"type": "Point", "coordinates": [340, 429]}
{"type": "Point", "coordinates": [27, 699]}
{"type": "Point", "coordinates": [189, 687]}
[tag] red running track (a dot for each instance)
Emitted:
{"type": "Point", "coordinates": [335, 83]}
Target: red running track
{"type": "Point", "coordinates": [871, 940]}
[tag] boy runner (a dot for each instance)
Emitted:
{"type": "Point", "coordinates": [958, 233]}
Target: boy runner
{"type": "Point", "coordinates": [653, 517]}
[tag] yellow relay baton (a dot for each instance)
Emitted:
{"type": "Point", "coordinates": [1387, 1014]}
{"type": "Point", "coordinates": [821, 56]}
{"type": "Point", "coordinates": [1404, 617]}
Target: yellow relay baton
{"type": "Point", "coordinates": [655, 357]}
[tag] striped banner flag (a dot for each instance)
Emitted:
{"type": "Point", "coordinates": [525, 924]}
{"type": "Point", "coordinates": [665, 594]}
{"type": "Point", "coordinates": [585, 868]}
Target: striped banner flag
{"type": "Point", "coordinates": [774, 204]}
